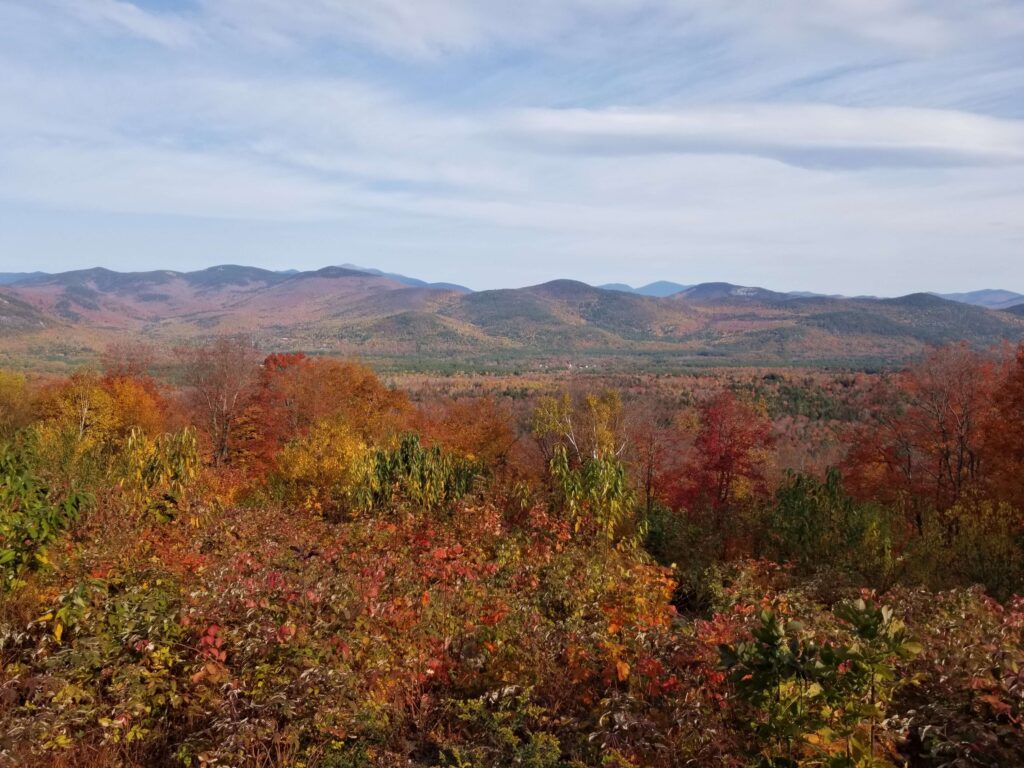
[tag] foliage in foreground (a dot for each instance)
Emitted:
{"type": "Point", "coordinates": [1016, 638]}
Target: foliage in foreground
{"type": "Point", "coordinates": [332, 579]}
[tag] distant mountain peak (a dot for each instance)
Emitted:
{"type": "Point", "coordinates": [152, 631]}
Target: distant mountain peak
{"type": "Point", "coordinates": [920, 299]}
{"type": "Point", "coordinates": [343, 271]}
{"type": "Point", "coordinates": [990, 298]}
{"type": "Point", "coordinates": [727, 291]}
{"type": "Point", "coordinates": [406, 280]}
{"type": "Point", "coordinates": [659, 288]}
{"type": "Point", "coordinates": [565, 288]}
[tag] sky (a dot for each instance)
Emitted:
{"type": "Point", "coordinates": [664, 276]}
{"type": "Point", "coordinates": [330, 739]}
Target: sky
{"type": "Point", "coordinates": [841, 146]}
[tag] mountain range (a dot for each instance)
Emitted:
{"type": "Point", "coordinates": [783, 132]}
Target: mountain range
{"type": "Point", "coordinates": [350, 310]}
{"type": "Point", "coordinates": [988, 298]}
{"type": "Point", "coordinates": [992, 299]}
{"type": "Point", "coordinates": [6, 278]}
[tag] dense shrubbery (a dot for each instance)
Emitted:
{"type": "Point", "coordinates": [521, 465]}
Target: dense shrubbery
{"type": "Point", "coordinates": [31, 518]}
{"type": "Point", "coordinates": [323, 470]}
{"type": "Point", "coordinates": [826, 701]}
{"type": "Point", "coordinates": [155, 473]}
{"type": "Point", "coordinates": [427, 478]}
{"type": "Point", "coordinates": [334, 577]}
{"type": "Point", "coordinates": [820, 529]}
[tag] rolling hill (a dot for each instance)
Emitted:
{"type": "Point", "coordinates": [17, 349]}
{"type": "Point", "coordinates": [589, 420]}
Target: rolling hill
{"type": "Point", "coordinates": [410, 281]}
{"type": "Point", "coordinates": [988, 298]}
{"type": "Point", "coordinates": [348, 311]}
{"type": "Point", "coordinates": [661, 288]}
{"type": "Point", "coordinates": [728, 293]}
{"type": "Point", "coordinates": [239, 296]}
{"type": "Point", "coordinates": [17, 316]}
{"type": "Point", "coordinates": [6, 278]}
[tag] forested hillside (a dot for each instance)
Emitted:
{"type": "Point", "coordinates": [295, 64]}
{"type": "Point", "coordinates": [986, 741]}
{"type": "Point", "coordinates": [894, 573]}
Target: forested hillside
{"type": "Point", "coordinates": [259, 559]}
{"type": "Point", "coordinates": [64, 320]}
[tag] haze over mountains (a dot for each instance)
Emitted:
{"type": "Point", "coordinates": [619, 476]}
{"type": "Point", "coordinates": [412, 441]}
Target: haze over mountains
{"type": "Point", "coordinates": [661, 288]}
{"type": "Point", "coordinates": [992, 299]}
{"type": "Point", "coordinates": [989, 298]}
{"type": "Point", "coordinates": [350, 310]}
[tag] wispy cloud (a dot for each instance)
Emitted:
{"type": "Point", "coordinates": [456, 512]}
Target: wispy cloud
{"type": "Point", "coordinates": [121, 16]}
{"type": "Point", "coordinates": [431, 28]}
{"type": "Point", "coordinates": [438, 27]}
{"type": "Point", "coordinates": [804, 134]}
{"type": "Point", "coordinates": [851, 141]}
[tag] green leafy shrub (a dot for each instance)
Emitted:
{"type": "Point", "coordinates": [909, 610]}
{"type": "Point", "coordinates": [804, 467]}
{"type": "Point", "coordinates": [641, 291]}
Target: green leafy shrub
{"type": "Point", "coordinates": [677, 538]}
{"type": "Point", "coordinates": [988, 548]}
{"type": "Point", "coordinates": [156, 472]}
{"type": "Point", "coordinates": [116, 675]}
{"type": "Point", "coordinates": [818, 527]}
{"type": "Point", "coordinates": [500, 729]}
{"type": "Point", "coordinates": [30, 518]}
{"type": "Point", "coordinates": [813, 702]}
{"type": "Point", "coordinates": [426, 478]}
{"type": "Point", "coordinates": [974, 542]}
{"type": "Point", "coordinates": [596, 495]}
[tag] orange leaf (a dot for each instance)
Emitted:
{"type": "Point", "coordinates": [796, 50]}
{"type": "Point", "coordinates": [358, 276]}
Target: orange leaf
{"type": "Point", "coordinates": [622, 670]}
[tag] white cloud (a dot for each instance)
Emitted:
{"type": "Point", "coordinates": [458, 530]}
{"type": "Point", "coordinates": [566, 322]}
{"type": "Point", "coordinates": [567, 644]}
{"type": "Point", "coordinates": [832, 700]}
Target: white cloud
{"type": "Point", "coordinates": [823, 135]}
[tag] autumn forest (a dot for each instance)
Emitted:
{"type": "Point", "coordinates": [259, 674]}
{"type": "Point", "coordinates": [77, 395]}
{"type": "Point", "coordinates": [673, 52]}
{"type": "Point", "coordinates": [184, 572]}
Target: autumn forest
{"type": "Point", "coordinates": [210, 556]}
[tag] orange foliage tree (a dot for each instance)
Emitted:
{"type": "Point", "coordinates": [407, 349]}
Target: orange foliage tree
{"type": "Point", "coordinates": [923, 440]}
{"type": "Point", "coordinates": [478, 428]}
{"type": "Point", "coordinates": [1004, 437]}
{"type": "Point", "coordinates": [294, 392]}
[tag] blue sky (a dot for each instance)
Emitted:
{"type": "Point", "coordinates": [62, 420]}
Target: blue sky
{"type": "Point", "coordinates": [854, 146]}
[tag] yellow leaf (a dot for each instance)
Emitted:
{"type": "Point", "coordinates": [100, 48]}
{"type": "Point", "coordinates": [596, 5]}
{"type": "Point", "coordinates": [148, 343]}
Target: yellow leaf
{"type": "Point", "coordinates": [58, 631]}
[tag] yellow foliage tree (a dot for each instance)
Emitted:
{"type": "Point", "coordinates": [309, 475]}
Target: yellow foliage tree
{"type": "Point", "coordinates": [589, 428]}
{"type": "Point", "coordinates": [14, 412]}
{"type": "Point", "coordinates": [79, 428]}
{"type": "Point", "coordinates": [324, 469]}
{"type": "Point", "coordinates": [137, 405]}
{"type": "Point", "coordinates": [156, 473]}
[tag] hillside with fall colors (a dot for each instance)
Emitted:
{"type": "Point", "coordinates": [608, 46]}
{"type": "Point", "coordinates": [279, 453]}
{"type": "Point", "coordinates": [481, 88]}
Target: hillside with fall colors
{"type": "Point", "coordinates": [71, 316]}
